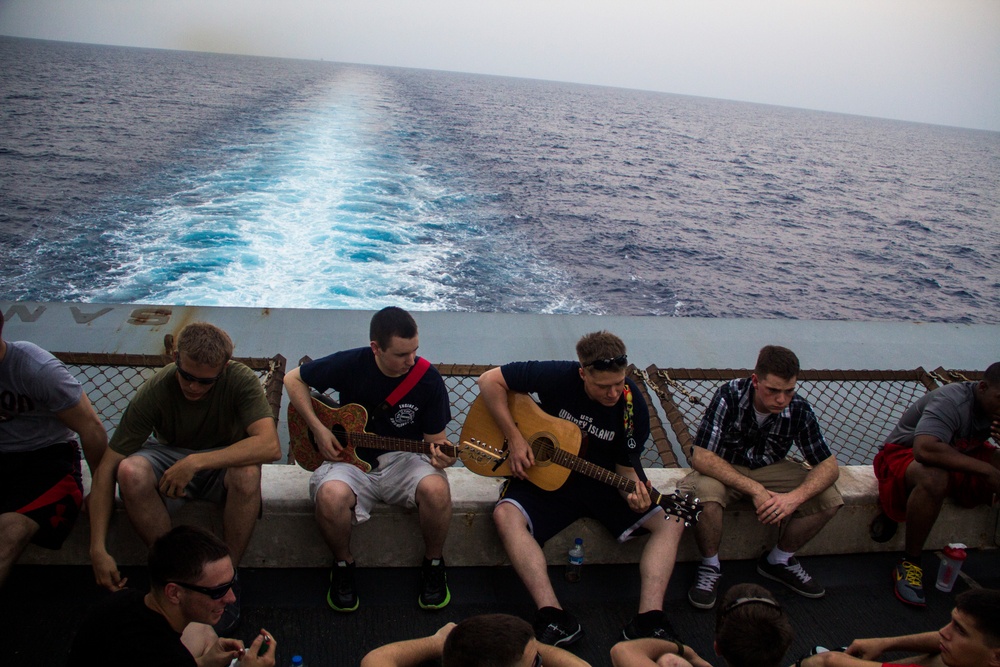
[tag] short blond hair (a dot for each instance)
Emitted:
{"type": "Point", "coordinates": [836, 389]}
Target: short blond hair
{"type": "Point", "coordinates": [205, 344]}
{"type": "Point", "coordinates": [599, 345]}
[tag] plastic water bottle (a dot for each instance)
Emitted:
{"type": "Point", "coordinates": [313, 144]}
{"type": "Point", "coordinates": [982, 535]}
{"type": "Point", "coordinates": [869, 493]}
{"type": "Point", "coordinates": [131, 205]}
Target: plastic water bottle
{"type": "Point", "coordinates": [954, 556]}
{"type": "Point", "coordinates": [575, 562]}
{"type": "Point", "coordinates": [297, 661]}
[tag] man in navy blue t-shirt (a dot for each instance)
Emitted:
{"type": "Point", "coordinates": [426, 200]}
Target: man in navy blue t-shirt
{"type": "Point", "coordinates": [419, 410]}
{"type": "Point", "coordinates": [594, 393]}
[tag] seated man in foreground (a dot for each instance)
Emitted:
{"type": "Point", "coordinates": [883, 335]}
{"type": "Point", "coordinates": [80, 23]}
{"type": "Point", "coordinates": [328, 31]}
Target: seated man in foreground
{"type": "Point", "coordinates": [740, 450]}
{"type": "Point", "coordinates": [42, 410]}
{"type": "Point", "coordinates": [751, 628]}
{"type": "Point", "coordinates": [971, 639]}
{"type": "Point", "coordinates": [488, 640]}
{"type": "Point", "coordinates": [594, 393]}
{"type": "Point", "coordinates": [212, 429]}
{"type": "Point", "coordinates": [938, 449]}
{"type": "Point", "coordinates": [405, 399]}
{"type": "Point", "coordinates": [191, 582]}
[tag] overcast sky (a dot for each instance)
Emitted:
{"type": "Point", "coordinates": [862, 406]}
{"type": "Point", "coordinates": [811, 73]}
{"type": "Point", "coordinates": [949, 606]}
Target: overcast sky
{"type": "Point", "coordinates": [935, 61]}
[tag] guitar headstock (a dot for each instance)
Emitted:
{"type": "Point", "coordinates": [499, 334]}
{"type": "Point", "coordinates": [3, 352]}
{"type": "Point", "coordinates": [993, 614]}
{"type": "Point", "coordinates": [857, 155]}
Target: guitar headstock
{"type": "Point", "coordinates": [480, 452]}
{"type": "Point", "coordinates": [682, 507]}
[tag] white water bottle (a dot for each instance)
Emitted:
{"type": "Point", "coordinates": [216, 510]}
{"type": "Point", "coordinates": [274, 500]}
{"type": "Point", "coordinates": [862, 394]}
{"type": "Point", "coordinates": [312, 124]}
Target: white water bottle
{"type": "Point", "coordinates": [575, 563]}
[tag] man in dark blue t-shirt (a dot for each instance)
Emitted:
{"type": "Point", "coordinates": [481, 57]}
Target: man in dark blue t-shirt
{"type": "Point", "coordinates": [418, 412]}
{"type": "Point", "coordinates": [593, 393]}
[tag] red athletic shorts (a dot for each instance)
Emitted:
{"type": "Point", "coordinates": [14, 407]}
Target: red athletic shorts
{"type": "Point", "coordinates": [966, 489]}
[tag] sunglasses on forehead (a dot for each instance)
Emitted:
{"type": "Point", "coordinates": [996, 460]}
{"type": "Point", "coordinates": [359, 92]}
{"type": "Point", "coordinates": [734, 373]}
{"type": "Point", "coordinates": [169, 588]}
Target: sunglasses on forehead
{"type": "Point", "coordinates": [608, 364]}
{"type": "Point", "coordinates": [194, 378]}
{"type": "Point", "coordinates": [215, 592]}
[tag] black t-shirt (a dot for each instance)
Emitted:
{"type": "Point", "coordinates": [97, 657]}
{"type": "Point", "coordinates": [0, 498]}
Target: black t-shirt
{"type": "Point", "coordinates": [355, 376]}
{"type": "Point", "coordinates": [561, 393]}
{"type": "Point", "coordinates": [121, 631]}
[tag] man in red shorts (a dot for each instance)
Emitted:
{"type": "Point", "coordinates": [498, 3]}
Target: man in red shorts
{"type": "Point", "coordinates": [43, 411]}
{"type": "Point", "coordinates": [939, 449]}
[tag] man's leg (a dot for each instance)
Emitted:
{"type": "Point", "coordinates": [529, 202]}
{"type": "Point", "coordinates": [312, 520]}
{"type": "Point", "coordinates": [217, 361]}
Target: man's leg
{"type": "Point", "coordinates": [708, 530]}
{"type": "Point", "coordinates": [525, 554]}
{"type": "Point", "coordinates": [143, 504]}
{"type": "Point", "coordinates": [802, 529]}
{"type": "Point", "coordinates": [334, 512]}
{"type": "Point", "coordinates": [657, 561]}
{"type": "Point", "coordinates": [928, 487]}
{"type": "Point", "coordinates": [434, 510]}
{"type": "Point", "coordinates": [16, 531]}
{"type": "Point", "coordinates": [242, 508]}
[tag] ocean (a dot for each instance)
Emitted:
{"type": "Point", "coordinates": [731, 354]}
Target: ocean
{"type": "Point", "coordinates": [137, 175]}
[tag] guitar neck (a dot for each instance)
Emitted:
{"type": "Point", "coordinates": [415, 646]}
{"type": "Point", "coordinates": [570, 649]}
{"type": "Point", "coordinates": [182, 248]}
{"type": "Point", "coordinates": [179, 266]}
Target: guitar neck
{"type": "Point", "coordinates": [584, 467]}
{"type": "Point", "coordinates": [372, 441]}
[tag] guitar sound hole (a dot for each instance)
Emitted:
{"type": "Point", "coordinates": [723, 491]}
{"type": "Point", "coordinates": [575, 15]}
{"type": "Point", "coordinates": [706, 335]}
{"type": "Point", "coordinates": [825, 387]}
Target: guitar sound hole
{"type": "Point", "coordinates": [543, 448]}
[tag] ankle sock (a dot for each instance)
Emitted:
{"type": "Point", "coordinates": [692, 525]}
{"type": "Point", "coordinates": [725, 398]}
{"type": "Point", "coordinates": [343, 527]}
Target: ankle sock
{"type": "Point", "coordinates": [779, 557]}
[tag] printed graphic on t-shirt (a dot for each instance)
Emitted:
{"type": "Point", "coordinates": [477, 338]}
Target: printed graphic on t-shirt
{"type": "Point", "coordinates": [585, 422]}
{"type": "Point", "coordinates": [11, 405]}
{"type": "Point", "coordinates": [406, 414]}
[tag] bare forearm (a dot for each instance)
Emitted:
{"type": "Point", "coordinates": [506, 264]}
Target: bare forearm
{"type": "Point", "coordinates": [407, 653]}
{"type": "Point", "coordinates": [820, 478]}
{"type": "Point", "coordinates": [712, 465]}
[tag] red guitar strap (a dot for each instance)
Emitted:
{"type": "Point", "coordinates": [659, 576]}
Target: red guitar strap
{"type": "Point", "coordinates": [407, 384]}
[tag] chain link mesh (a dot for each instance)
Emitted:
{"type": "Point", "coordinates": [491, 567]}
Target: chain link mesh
{"type": "Point", "coordinates": [855, 409]}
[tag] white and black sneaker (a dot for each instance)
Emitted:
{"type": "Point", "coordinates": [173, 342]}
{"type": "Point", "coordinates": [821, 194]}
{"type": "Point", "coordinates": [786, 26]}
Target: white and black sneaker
{"type": "Point", "coordinates": [706, 587]}
{"type": "Point", "coordinates": [791, 575]}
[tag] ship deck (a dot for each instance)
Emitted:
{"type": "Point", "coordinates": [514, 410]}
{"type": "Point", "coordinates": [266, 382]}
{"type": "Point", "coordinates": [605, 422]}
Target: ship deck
{"type": "Point", "coordinates": [41, 606]}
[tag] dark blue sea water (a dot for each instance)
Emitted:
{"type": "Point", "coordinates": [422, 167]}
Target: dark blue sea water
{"type": "Point", "coordinates": [192, 178]}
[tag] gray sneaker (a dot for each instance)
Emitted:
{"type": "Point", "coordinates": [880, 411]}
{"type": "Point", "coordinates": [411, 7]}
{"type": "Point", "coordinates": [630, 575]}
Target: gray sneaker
{"type": "Point", "coordinates": [706, 585]}
{"type": "Point", "coordinates": [791, 575]}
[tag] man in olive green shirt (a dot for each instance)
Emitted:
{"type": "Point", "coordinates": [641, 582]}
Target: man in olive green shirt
{"type": "Point", "coordinates": [211, 428]}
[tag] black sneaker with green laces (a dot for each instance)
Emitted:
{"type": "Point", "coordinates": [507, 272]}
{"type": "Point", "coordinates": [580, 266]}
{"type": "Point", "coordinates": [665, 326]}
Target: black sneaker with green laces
{"type": "Point", "coordinates": [342, 595]}
{"type": "Point", "coordinates": [434, 593]}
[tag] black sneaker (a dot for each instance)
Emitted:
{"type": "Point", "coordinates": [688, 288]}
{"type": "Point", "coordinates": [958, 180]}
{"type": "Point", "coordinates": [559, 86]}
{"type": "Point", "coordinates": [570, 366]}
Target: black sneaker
{"type": "Point", "coordinates": [342, 595]}
{"type": "Point", "coordinates": [791, 575]}
{"type": "Point", "coordinates": [231, 614]}
{"type": "Point", "coordinates": [706, 586]}
{"type": "Point", "coordinates": [434, 593]}
{"type": "Point", "coordinates": [556, 627]}
{"type": "Point", "coordinates": [649, 624]}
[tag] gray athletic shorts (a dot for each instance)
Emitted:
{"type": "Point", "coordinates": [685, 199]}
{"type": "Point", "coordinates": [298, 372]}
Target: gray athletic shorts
{"type": "Point", "coordinates": [205, 485]}
{"type": "Point", "coordinates": [394, 481]}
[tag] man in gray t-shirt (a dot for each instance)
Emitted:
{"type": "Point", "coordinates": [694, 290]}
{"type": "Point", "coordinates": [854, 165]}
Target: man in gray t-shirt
{"type": "Point", "coordinates": [42, 410]}
{"type": "Point", "coordinates": [939, 449]}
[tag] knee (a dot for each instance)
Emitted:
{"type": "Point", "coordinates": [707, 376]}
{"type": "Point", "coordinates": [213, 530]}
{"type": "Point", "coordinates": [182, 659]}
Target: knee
{"type": "Point", "coordinates": [16, 531]}
{"type": "Point", "coordinates": [508, 518]}
{"type": "Point", "coordinates": [243, 481]}
{"type": "Point", "coordinates": [930, 480]}
{"type": "Point", "coordinates": [433, 491]}
{"type": "Point", "coordinates": [135, 474]}
{"type": "Point", "coordinates": [333, 497]}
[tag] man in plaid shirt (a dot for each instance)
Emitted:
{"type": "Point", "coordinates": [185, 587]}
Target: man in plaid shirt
{"type": "Point", "coordinates": [740, 450]}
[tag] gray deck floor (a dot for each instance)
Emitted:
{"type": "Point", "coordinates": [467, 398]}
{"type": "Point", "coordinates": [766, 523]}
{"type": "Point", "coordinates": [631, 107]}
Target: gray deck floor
{"type": "Point", "coordinates": [41, 606]}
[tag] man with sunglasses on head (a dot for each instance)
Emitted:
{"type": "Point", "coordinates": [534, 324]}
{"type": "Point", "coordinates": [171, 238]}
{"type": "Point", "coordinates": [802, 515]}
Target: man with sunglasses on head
{"type": "Point", "coordinates": [211, 428]}
{"type": "Point", "coordinates": [740, 450]}
{"type": "Point", "coordinates": [43, 411]}
{"type": "Point", "coordinates": [191, 582]}
{"type": "Point", "coordinates": [595, 394]}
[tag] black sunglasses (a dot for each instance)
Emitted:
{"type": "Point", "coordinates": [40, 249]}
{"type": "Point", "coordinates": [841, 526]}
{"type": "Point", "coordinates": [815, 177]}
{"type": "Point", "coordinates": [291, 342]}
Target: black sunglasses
{"type": "Point", "coordinates": [538, 660]}
{"type": "Point", "coordinates": [215, 592]}
{"type": "Point", "coordinates": [194, 378]}
{"type": "Point", "coordinates": [608, 364]}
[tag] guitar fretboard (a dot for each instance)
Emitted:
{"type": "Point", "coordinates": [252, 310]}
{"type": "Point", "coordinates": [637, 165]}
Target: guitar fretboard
{"type": "Point", "coordinates": [372, 441]}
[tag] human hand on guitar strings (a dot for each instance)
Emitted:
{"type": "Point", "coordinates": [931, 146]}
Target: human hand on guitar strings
{"type": "Point", "coordinates": [439, 459]}
{"type": "Point", "coordinates": [327, 443]}
{"type": "Point", "coordinates": [638, 500]}
{"type": "Point", "coordinates": [521, 457]}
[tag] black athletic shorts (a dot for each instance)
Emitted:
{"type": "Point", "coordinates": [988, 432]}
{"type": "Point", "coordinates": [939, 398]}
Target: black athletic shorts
{"type": "Point", "coordinates": [548, 512]}
{"type": "Point", "coordinates": [44, 485]}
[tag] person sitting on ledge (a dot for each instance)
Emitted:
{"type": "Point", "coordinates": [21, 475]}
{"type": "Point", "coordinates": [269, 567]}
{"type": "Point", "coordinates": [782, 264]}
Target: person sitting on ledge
{"type": "Point", "coordinates": [938, 449]}
{"type": "Point", "coordinates": [595, 394]}
{"type": "Point", "coordinates": [211, 428]}
{"type": "Point", "coordinates": [971, 639]}
{"type": "Point", "coordinates": [487, 640]}
{"type": "Point", "coordinates": [751, 630]}
{"type": "Point", "coordinates": [405, 398]}
{"type": "Point", "coordinates": [740, 450]}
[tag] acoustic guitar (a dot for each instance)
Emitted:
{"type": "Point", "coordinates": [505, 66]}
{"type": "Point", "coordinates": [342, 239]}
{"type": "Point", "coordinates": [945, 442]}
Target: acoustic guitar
{"type": "Point", "coordinates": [348, 424]}
{"type": "Point", "coordinates": [555, 443]}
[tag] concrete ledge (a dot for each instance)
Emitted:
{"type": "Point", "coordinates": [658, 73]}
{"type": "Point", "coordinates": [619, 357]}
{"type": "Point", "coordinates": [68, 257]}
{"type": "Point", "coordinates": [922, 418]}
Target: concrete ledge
{"type": "Point", "coordinates": [286, 535]}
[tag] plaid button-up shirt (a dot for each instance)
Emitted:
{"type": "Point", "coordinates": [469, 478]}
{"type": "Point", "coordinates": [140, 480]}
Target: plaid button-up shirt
{"type": "Point", "coordinates": [730, 430]}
